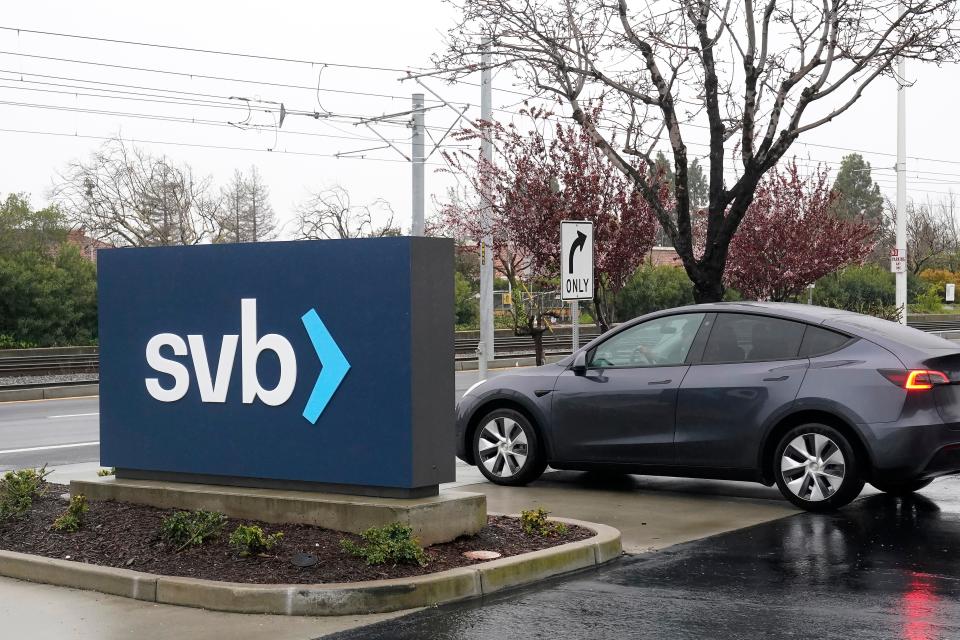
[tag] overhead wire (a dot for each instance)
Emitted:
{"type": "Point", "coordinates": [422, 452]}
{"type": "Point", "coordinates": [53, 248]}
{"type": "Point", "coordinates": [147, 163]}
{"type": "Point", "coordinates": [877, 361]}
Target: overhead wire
{"type": "Point", "coordinates": [203, 146]}
{"type": "Point", "coordinates": [321, 64]}
{"type": "Point", "coordinates": [170, 47]}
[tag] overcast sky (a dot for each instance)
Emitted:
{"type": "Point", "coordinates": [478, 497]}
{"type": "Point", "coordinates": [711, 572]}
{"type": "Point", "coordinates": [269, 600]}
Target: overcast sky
{"type": "Point", "coordinates": [378, 33]}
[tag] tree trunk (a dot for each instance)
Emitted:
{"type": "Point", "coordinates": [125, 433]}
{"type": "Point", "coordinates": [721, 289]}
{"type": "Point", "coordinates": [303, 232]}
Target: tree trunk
{"type": "Point", "coordinates": [537, 335]}
{"type": "Point", "coordinates": [598, 309]}
{"type": "Point", "coordinates": [708, 287]}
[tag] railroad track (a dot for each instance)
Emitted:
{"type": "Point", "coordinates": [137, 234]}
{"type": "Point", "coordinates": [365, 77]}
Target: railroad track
{"type": "Point", "coordinates": [465, 349]}
{"type": "Point", "coordinates": [17, 366]}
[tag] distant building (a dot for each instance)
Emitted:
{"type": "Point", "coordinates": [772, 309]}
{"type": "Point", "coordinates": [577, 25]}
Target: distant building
{"type": "Point", "coordinates": [665, 256]}
{"type": "Point", "coordinates": [88, 246]}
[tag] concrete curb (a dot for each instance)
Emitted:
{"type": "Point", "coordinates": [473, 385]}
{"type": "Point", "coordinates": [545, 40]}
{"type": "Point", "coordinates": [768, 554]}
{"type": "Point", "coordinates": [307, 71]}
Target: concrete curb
{"type": "Point", "coordinates": [50, 393]}
{"type": "Point", "coordinates": [354, 598]}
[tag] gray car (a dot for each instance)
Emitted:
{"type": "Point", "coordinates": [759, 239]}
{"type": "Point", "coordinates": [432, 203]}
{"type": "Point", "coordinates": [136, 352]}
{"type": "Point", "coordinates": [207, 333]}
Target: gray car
{"type": "Point", "coordinates": [815, 400]}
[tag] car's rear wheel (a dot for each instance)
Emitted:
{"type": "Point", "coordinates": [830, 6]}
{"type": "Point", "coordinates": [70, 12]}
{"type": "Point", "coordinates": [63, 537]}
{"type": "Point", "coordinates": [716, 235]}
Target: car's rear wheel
{"type": "Point", "coordinates": [507, 449]}
{"type": "Point", "coordinates": [816, 468]}
{"type": "Point", "coordinates": [901, 488]}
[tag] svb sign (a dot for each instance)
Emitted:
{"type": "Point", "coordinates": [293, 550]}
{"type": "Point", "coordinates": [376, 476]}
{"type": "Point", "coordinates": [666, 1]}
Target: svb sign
{"type": "Point", "coordinates": [324, 364]}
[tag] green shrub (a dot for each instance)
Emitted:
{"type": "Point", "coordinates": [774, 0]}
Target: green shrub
{"type": "Point", "coordinates": [71, 520]}
{"type": "Point", "coordinates": [9, 342]}
{"type": "Point", "coordinates": [930, 301]}
{"type": "Point", "coordinates": [653, 288]}
{"type": "Point", "coordinates": [393, 543]}
{"type": "Point", "coordinates": [103, 473]}
{"type": "Point", "coordinates": [251, 540]}
{"type": "Point", "coordinates": [466, 305]}
{"type": "Point", "coordinates": [186, 528]}
{"type": "Point", "coordinates": [535, 523]}
{"type": "Point", "coordinates": [18, 489]}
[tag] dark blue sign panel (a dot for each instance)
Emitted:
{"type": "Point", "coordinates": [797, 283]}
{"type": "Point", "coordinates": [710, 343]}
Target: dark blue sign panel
{"type": "Point", "coordinates": [321, 362]}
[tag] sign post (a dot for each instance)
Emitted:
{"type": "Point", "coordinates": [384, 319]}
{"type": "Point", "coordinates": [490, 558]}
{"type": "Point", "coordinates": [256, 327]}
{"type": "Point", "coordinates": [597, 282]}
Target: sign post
{"type": "Point", "coordinates": [576, 269]}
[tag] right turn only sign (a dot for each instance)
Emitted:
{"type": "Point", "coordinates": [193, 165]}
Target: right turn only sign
{"type": "Point", "coordinates": [576, 260]}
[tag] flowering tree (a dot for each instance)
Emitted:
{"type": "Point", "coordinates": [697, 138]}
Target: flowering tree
{"type": "Point", "coordinates": [534, 184]}
{"type": "Point", "coordinates": [790, 237]}
{"type": "Point", "coordinates": [753, 77]}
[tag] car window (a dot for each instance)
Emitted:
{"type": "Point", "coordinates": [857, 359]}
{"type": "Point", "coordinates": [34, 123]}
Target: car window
{"type": "Point", "coordinates": [908, 336]}
{"type": "Point", "coordinates": [659, 342]}
{"type": "Point", "coordinates": [817, 341]}
{"type": "Point", "coordinates": [738, 337]}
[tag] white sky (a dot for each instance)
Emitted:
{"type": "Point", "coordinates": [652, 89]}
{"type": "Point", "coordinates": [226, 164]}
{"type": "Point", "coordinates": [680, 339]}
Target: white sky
{"type": "Point", "coordinates": [377, 33]}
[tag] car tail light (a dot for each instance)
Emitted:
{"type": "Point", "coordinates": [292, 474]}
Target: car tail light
{"type": "Point", "coordinates": [915, 379]}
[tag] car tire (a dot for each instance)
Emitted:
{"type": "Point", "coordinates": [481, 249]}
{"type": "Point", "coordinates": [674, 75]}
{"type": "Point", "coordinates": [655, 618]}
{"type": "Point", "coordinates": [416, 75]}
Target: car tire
{"type": "Point", "coordinates": [507, 449]}
{"type": "Point", "coordinates": [901, 488]}
{"type": "Point", "coordinates": [816, 468]}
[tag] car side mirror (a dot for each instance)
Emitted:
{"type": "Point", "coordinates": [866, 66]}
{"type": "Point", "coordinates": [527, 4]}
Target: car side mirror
{"type": "Point", "coordinates": [580, 363]}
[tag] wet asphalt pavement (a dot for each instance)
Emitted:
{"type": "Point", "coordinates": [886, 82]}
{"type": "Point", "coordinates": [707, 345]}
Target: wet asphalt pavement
{"type": "Point", "coordinates": [881, 568]}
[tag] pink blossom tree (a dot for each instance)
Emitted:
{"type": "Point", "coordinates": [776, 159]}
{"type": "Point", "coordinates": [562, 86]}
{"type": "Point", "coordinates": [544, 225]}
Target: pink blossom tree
{"type": "Point", "coordinates": [790, 237]}
{"type": "Point", "coordinates": [535, 182]}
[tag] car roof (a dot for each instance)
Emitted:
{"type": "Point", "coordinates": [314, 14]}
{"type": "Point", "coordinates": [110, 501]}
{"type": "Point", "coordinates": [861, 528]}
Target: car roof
{"type": "Point", "coordinates": [803, 312]}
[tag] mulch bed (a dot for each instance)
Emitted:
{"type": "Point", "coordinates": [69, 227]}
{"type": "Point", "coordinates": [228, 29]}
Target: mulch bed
{"type": "Point", "coordinates": [120, 534]}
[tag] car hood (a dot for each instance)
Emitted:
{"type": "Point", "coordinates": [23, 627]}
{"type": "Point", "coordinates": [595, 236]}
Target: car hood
{"type": "Point", "coordinates": [517, 377]}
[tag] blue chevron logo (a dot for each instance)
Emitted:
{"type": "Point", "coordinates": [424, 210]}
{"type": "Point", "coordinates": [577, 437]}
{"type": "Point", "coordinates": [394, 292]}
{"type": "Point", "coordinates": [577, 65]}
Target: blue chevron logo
{"type": "Point", "coordinates": [335, 366]}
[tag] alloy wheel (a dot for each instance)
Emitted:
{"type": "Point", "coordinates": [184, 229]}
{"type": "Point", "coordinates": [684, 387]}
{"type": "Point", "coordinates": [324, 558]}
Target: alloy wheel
{"type": "Point", "coordinates": [813, 467]}
{"type": "Point", "coordinates": [503, 447]}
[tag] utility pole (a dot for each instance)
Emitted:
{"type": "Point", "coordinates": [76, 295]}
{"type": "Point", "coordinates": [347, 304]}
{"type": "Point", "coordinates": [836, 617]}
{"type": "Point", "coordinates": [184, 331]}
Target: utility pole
{"type": "Point", "coordinates": [901, 275]}
{"type": "Point", "coordinates": [417, 161]}
{"type": "Point", "coordinates": [486, 245]}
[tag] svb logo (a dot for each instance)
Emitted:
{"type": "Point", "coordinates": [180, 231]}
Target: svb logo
{"type": "Point", "coordinates": [213, 387]}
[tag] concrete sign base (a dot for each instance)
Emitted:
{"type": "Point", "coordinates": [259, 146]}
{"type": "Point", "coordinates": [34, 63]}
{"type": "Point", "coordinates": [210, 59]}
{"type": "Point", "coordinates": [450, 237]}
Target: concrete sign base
{"type": "Point", "coordinates": [434, 519]}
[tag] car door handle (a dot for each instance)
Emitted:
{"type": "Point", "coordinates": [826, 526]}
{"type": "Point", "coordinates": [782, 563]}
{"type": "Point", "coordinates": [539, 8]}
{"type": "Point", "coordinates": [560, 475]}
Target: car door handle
{"type": "Point", "coordinates": [778, 379]}
{"type": "Point", "coordinates": [668, 381]}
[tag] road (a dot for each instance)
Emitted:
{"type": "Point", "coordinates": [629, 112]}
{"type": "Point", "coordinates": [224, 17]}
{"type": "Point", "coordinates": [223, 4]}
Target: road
{"type": "Point", "coordinates": [57, 432]}
{"type": "Point", "coordinates": [881, 568]}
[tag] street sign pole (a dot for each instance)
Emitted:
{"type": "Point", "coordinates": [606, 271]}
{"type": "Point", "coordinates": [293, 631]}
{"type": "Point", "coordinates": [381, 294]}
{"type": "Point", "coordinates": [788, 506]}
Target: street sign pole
{"type": "Point", "coordinates": [575, 320]}
{"type": "Point", "coordinates": [901, 247]}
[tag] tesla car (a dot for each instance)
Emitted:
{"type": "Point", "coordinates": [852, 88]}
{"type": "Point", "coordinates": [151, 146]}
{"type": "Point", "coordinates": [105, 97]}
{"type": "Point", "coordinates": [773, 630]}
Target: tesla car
{"type": "Point", "coordinates": [817, 401]}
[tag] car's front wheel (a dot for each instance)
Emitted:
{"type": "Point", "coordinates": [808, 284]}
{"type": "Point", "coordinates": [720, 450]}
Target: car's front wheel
{"type": "Point", "coordinates": [901, 488]}
{"type": "Point", "coordinates": [507, 449]}
{"type": "Point", "coordinates": [816, 468]}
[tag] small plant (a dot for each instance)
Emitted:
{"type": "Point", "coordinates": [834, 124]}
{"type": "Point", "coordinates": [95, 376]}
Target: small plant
{"type": "Point", "coordinates": [393, 543]}
{"type": "Point", "coordinates": [535, 523]}
{"type": "Point", "coordinates": [103, 473]}
{"type": "Point", "coordinates": [9, 342]}
{"type": "Point", "coordinates": [18, 489]}
{"type": "Point", "coordinates": [186, 528]}
{"type": "Point", "coordinates": [251, 540]}
{"type": "Point", "coordinates": [71, 520]}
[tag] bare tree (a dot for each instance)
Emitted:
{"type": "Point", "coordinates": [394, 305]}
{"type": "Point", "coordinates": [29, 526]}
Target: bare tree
{"type": "Point", "coordinates": [262, 220]}
{"type": "Point", "coordinates": [246, 213]}
{"type": "Point", "coordinates": [931, 235]}
{"type": "Point", "coordinates": [330, 214]}
{"type": "Point", "coordinates": [127, 197]}
{"type": "Point", "coordinates": [233, 209]}
{"type": "Point", "coordinates": [751, 79]}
